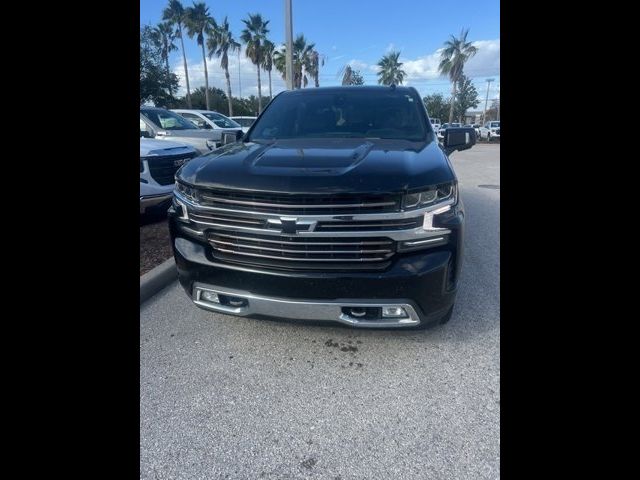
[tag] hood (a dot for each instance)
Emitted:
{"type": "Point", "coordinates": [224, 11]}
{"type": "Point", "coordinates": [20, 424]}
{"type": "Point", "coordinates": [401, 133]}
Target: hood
{"type": "Point", "coordinates": [321, 166]}
{"type": "Point", "coordinates": [151, 146]}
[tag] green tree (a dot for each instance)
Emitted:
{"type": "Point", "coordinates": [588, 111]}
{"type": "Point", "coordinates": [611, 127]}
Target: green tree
{"type": "Point", "coordinates": [493, 112]}
{"type": "Point", "coordinates": [217, 100]}
{"type": "Point", "coordinates": [174, 14]}
{"type": "Point", "coordinates": [390, 72]}
{"type": "Point", "coordinates": [199, 22]}
{"type": "Point", "coordinates": [302, 52]}
{"type": "Point", "coordinates": [456, 52]}
{"type": "Point", "coordinates": [220, 43]}
{"type": "Point", "coordinates": [163, 36]}
{"type": "Point", "coordinates": [156, 82]}
{"type": "Point", "coordinates": [350, 76]}
{"type": "Point", "coordinates": [436, 105]}
{"type": "Point", "coordinates": [313, 62]}
{"type": "Point", "coordinates": [467, 97]}
{"type": "Point", "coordinates": [254, 36]}
{"type": "Point", "coordinates": [268, 47]}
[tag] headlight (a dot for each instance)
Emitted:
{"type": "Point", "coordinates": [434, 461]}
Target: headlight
{"type": "Point", "coordinates": [185, 190]}
{"type": "Point", "coordinates": [433, 196]}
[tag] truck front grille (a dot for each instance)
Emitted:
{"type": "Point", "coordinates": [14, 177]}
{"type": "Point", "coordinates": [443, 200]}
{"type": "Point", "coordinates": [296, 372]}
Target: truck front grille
{"type": "Point", "coordinates": [293, 250]}
{"type": "Point", "coordinates": [164, 168]}
{"type": "Point", "coordinates": [299, 204]}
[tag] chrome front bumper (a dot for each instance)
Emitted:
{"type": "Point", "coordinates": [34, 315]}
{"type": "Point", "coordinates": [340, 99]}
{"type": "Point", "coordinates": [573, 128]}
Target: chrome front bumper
{"type": "Point", "coordinates": [331, 311]}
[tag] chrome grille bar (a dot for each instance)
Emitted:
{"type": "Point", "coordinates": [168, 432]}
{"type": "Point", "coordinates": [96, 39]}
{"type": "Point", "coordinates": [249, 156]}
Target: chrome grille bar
{"type": "Point", "coordinates": [301, 259]}
{"type": "Point", "coordinates": [305, 206]}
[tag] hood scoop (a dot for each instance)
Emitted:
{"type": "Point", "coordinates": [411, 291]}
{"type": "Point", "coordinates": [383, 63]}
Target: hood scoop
{"type": "Point", "coordinates": [278, 159]}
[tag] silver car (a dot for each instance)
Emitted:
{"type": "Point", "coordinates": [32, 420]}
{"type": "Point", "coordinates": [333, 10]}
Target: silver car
{"type": "Point", "coordinates": [163, 124]}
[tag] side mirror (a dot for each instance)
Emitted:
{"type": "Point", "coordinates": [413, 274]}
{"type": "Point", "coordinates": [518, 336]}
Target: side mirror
{"type": "Point", "coordinates": [145, 134]}
{"type": "Point", "coordinates": [231, 137]}
{"type": "Point", "coordinates": [458, 138]}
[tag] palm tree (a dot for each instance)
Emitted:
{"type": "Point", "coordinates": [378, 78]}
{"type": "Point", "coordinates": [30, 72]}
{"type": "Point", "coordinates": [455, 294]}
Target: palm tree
{"type": "Point", "coordinates": [163, 35]}
{"type": "Point", "coordinates": [313, 62]}
{"type": "Point", "coordinates": [268, 48]}
{"type": "Point", "coordinates": [198, 22]}
{"type": "Point", "coordinates": [174, 15]}
{"type": "Point", "coordinates": [350, 76]}
{"type": "Point", "coordinates": [220, 43]}
{"type": "Point", "coordinates": [455, 54]}
{"type": "Point", "coordinates": [390, 72]}
{"type": "Point", "coordinates": [302, 53]}
{"type": "Point", "coordinates": [254, 36]}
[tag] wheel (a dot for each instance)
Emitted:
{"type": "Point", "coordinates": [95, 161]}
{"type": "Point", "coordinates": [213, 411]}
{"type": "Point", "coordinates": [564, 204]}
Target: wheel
{"type": "Point", "coordinates": [424, 326]}
{"type": "Point", "coordinates": [447, 316]}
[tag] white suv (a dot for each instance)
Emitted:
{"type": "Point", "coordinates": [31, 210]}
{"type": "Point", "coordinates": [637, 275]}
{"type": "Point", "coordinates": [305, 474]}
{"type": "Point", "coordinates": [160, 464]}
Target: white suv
{"type": "Point", "coordinates": [159, 162]}
{"type": "Point", "coordinates": [209, 120]}
{"type": "Point", "coordinates": [490, 130]}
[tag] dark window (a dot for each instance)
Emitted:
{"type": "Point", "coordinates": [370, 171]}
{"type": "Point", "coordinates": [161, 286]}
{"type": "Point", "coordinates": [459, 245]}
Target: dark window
{"type": "Point", "coordinates": [353, 114]}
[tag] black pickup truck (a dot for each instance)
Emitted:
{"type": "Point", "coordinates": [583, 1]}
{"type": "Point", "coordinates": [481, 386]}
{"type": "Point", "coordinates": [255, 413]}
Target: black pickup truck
{"type": "Point", "coordinates": [339, 204]}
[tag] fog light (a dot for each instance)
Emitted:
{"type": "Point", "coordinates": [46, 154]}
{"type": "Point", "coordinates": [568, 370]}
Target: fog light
{"type": "Point", "coordinates": [393, 312]}
{"type": "Point", "coordinates": [209, 296]}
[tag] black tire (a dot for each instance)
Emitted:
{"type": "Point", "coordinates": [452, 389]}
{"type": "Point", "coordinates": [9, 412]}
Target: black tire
{"type": "Point", "coordinates": [442, 321]}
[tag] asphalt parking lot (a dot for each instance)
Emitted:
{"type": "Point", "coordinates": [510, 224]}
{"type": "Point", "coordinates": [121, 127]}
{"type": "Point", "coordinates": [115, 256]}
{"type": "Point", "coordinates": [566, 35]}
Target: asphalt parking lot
{"type": "Point", "coordinates": [231, 398]}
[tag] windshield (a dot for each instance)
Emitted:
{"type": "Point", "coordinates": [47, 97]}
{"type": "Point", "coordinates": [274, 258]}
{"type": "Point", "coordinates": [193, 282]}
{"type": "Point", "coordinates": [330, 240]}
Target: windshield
{"type": "Point", "coordinates": [354, 113]}
{"type": "Point", "coordinates": [220, 120]}
{"type": "Point", "coordinates": [245, 122]}
{"type": "Point", "coordinates": [495, 124]}
{"type": "Point", "coordinates": [168, 120]}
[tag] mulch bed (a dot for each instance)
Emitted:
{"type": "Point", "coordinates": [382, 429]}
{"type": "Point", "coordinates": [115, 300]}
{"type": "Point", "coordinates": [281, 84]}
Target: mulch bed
{"type": "Point", "coordinates": [155, 244]}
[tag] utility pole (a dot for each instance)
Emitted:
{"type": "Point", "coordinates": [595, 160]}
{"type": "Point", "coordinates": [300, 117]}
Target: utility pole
{"type": "Point", "coordinates": [288, 35]}
{"type": "Point", "coordinates": [486, 100]}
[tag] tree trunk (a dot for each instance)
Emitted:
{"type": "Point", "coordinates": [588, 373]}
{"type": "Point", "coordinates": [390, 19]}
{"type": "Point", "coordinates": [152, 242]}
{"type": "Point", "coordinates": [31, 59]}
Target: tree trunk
{"type": "Point", "coordinates": [270, 94]}
{"type": "Point", "coordinates": [206, 77]}
{"type": "Point", "coordinates": [259, 90]}
{"type": "Point", "coordinates": [453, 102]}
{"type": "Point", "coordinates": [168, 74]}
{"type": "Point", "coordinates": [226, 72]}
{"type": "Point", "coordinates": [186, 72]}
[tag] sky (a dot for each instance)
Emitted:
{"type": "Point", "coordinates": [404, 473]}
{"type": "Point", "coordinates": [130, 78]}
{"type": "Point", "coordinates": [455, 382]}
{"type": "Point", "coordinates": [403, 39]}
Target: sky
{"type": "Point", "coordinates": [354, 32]}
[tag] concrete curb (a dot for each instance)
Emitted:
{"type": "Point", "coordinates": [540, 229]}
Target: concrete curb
{"type": "Point", "coordinates": [156, 279]}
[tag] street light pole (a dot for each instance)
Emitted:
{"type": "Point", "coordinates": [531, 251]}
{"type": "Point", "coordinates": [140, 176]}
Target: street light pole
{"type": "Point", "coordinates": [288, 35]}
{"type": "Point", "coordinates": [486, 100]}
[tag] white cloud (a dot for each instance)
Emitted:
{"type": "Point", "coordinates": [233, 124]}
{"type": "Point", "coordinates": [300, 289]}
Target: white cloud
{"type": "Point", "coordinates": [246, 85]}
{"type": "Point", "coordinates": [358, 65]}
{"type": "Point", "coordinates": [485, 63]}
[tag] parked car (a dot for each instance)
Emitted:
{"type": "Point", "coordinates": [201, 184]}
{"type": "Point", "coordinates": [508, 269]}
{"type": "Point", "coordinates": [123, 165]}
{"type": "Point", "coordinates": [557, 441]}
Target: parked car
{"type": "Point", "coordinates": [245, 122]}
{"type": "Point", "coordinates": [163, 124]}
{"type": "Point", "coordinates": [490, 130]}
{"type": "Point", "coordinates": [339, 205]}
{"type": "Point", "coordinates": [435, 123]}
{"type": "Point", "coordinates": [444, 126]}
{"type": "Point", "coordinates": [209, 120]}
{"type": "Point", "coordinates": [159, 161]}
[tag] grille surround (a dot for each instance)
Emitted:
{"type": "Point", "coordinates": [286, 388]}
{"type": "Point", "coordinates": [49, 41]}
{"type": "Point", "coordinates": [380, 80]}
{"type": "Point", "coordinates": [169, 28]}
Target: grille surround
{"type": "Point", "coordinates": [162, 168]}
